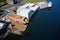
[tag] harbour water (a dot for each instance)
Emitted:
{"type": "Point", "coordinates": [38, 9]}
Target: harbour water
{"type": "Point", "coordinates": [45, 25]}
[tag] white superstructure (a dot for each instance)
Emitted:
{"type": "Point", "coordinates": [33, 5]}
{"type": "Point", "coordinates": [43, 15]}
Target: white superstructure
{"type": "Point", "coordinates": [28, 9]}
{"type": "Point", "coordinates": [43, 5]}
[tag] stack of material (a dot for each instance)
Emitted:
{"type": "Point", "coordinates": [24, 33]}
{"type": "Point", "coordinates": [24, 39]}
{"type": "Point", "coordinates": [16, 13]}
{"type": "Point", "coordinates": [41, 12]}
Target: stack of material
{"type": "Point", "coordinates": [16, 18]}
{"type": "Point", "coordinates": [19, 26]}
{"type": "Point", "coordinates": [17, 22]}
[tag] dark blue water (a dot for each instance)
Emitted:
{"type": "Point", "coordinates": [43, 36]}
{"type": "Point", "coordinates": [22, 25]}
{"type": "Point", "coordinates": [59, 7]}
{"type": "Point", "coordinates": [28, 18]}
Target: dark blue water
{"type": "Point", "coordinates": [45, 24]}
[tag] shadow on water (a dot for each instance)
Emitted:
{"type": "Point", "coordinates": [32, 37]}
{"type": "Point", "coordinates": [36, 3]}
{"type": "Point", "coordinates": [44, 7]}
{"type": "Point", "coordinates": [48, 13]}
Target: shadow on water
{"type": "Point", "coordinates": [13, 37]}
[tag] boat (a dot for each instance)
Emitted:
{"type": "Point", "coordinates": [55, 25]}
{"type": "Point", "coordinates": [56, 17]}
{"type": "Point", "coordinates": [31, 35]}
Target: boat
{"type": "Point", "coordinates": [18, 24]}
{"type": "Point", "coordinates": [27, 10]}
{"type": "Point", "coordinates": [43, 5]}
{"type": "Point", "coordinates": [13, 24]}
